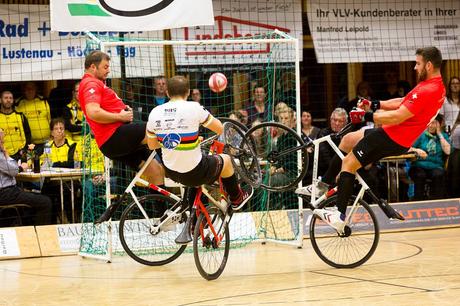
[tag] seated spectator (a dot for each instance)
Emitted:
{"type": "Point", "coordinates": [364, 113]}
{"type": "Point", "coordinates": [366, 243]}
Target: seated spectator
{"type": "Point", "coordinates": [451, 106]}
{"type": "Point", "coordinates": [37, 112]}
{"type": "Point", "coordinates": [403, 88]}
{"type": "Point", "coordinates": [73, 116]}
{"type": "Point", "coordinates": [309, 132]}
{"type": "Point", "coordinates": [63, 153]}
{"type": "Point", "coordinates": [339, 118]}
{"type": "Point", "coordinates": [10, 193]}
{"type": "Point", "coordinates": [433, 147]}
{"type": "Point", "coordinates": [280, 107]}
{"type": "Point", "coordinates": [453, 166]}
{"type": "Point", "coordinates": [259, 107]}
{"type": "Point", "coordinates": [15, 127]}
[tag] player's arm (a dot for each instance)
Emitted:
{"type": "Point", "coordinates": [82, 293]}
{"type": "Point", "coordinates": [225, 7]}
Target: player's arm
{"type": "Point", "coordinates": [98, 114]}
{"type": "Point", "coordinates": [391, 117]}
{"type": "Point", "coordinates": [374, 105]}
{"type": "Point", "coordinates": [213, 124]}
{"type": "Point", "coordinates": [152, 140]}
{"type": "Point", "coordinates": [391, 104]}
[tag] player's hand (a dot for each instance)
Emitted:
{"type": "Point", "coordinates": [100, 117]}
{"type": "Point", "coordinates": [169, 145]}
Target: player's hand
{"type": "Point", "coordinates": [357, 116]}
{"type": "Point", "coordinates": [364, 104]}
{"type": "Point", "coordinates": [126, 115]}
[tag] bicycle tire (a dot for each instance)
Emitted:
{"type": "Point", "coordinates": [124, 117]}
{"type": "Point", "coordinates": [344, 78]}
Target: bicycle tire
{"type": "Point", "coordinates": [142, 246]}
{"type": "Point", "coordinates": [350, 251]}
{"type": "Point", "coordinates": [241, 151]}
{"type": "Point", "coordinates": [267, 151]}
{"type": "Point", "coordinates": [204, 249]}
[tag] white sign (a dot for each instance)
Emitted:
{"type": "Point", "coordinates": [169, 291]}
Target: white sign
{"type": "Point", "coordinates": [9, 246]}
{"type": "Point", "coordinates": [241, 19]}
{"type": "Point", "coordinates": [384, 30]}
{"type": "Point", "coordinates": [121, 15]}
{"type": "Point", "coordinates": [69, 236]}
{"type": "Point", "coordinates": [30, 51]}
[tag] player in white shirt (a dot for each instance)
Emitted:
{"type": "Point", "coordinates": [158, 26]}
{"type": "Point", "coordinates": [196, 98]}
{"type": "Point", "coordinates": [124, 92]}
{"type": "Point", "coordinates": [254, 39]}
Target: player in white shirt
{"type": "Point", "coordinates": [174, 126]}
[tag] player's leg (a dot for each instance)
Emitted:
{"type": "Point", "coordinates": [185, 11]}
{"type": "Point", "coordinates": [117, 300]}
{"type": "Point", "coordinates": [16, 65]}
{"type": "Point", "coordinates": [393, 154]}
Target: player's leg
{"type": "Point", "coordinates": [238, 196]}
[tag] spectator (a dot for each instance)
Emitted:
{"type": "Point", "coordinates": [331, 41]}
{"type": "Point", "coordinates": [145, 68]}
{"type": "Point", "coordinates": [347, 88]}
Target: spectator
{"type": "Point", "coordinates": [58, 99]}
{"type": "Point", "coordinates": [73, 116]}
{"type": "Point", "coordinates": [453, 166]}
{"type": "Point", "coordinates": [391, 86]}
{"type": "Point", "coordinates": [237, 116]}
{"type": "Point", "coordinates": [363, 90]}
{"type": "Point", "coordinates": [280, 107]}
{"type": "Point", "coordinates": [37, 112]}
{"type": "Point", "coordinates": [63, 150]}
{"type": "Point", "coordinates": [433, 147]}
{"type": "Point", "coordinates": [160, 97]}
{"type": "Point", "coordinates": [62, 154]}
{"type": "Point", "coordinates": [15, 127]}
{"type": "Point", "coordinates": [196, 95]}
{"type": "Point", "coordinates": [450, 108]}
{"type": "Point", "coordinates": [339, 119]}
{"type": "Point", "coordinates": [259, 108]}
{"type": "Point", "coordinates": [10, 193]}
{"type": "Point", "coordinates": [309, 132]}
{"type": "Point", "coordinates": [403, 88]}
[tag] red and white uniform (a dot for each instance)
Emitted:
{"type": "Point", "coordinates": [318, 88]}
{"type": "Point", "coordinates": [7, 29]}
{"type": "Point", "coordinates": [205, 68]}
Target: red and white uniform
{"type": "Point", "coordinates": [424, 101]}
{"type": "Point", "coordinates": [93, 90]}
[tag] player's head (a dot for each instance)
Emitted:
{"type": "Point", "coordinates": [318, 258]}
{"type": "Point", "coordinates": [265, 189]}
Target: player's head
{"type": "Point", "coordinates": [6, 100]}
{"type": "Point", "coordinates": [97, 63]}
{"type": "Point", "coordinates": [428, 61]}
{"type": "Point", "coordinates": [178, 87]}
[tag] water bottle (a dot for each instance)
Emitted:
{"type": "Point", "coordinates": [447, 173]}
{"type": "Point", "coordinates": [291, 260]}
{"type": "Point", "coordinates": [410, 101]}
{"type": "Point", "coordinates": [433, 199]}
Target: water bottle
{"type": "Point", "coordinates": [47, 161]}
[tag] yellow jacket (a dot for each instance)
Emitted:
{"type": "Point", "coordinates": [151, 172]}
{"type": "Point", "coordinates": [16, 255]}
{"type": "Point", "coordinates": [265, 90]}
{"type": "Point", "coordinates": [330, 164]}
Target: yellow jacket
{"type": "Point", "coordinates": [37, 112]}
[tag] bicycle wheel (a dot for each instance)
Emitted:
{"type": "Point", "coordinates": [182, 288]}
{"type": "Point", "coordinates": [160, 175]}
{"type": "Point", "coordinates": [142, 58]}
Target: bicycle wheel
{"type": "Point", "coordinates": [137, 239]}
{"type": "Point", "coordinates": [277, 147]}
{"type": "Point", "coordinates": [242, 153]}
{"type": "Point", "coordinates": [355, 246]}
{"type": "Point", "coordinates": [211, 251]}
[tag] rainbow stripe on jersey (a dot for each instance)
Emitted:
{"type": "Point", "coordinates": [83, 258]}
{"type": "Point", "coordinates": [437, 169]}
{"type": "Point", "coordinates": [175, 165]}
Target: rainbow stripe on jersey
{"type": "Point", "coordinates": [187, 141]}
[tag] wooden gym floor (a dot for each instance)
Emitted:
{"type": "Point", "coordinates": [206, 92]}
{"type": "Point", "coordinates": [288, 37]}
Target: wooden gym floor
{"type": "Point", "coordinates": [410, 268]}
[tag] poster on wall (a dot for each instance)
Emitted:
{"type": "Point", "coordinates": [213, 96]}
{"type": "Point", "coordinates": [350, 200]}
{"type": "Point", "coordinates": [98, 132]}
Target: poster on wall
{"type": "Point", "coordinates": [29, 50]}
{"type": "Point", "coordinates": [382, 31]}
{"type": "Point", "coordinates": [242, 19]}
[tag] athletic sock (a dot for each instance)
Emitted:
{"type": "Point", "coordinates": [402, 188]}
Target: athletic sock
{"type": "Point", "coordinates": [344, 190]}
{"type": "Point", "coordinates": [232, 187]}
{"type": "Point", "coordinates": [334, 168]}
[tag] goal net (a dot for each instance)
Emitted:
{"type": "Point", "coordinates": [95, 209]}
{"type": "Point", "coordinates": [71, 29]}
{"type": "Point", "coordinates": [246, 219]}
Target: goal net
{"type": "Point", "coordinates": [264, 67]}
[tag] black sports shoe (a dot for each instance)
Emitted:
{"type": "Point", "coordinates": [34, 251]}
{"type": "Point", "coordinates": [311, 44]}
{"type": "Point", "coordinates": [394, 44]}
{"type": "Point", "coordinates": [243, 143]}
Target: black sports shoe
{"type": "Point", "coordinates": [246, 193]}
{"type": "Point", "coordinates": [108, 213]}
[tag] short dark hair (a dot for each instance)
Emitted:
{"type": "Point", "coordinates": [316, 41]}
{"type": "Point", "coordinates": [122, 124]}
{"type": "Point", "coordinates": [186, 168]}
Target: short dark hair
{"type": "Point", "coordinates": [56, 121]}
{"type": "Point", "coordinates": [178, 86]}
{"type": "Point", "coordinates": [95, 57]}
{"type": "Point", "coordinates": [431, 54]}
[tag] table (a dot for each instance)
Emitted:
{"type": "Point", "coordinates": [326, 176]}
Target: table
{"type": "Point", "coordinates": [56, 174]}
{"type": "Point", "coordinates": [396, 160]}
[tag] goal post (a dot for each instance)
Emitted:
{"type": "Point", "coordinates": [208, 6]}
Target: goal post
{"type": "Point", "coordinates": [269, 61]}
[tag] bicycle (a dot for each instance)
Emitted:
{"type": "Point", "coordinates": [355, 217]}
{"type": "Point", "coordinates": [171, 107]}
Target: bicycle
{"type": "Point", "coordinates": [154, 237]}
{"type": "Point", "coordinates": [359, 239]}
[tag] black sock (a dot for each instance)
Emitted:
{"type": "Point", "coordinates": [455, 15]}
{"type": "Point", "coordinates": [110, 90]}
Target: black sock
{"type": "Point", "coordinates": [334, 168]}
{"type": "Point", "coordinates": [231, 187]}
{"type": "Point", "coordinates": [345, 190]}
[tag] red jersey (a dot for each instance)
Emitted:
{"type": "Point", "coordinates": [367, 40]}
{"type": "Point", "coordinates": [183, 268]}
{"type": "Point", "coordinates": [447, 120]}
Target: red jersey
{"type": "Point", "coordinates": [93, 90]}
{"type": "Point", "coordinates": [424, 101]}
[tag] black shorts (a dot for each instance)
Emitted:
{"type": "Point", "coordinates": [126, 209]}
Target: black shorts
{"type": "Point", "coordinates": [376, 145]}
{"type": "Point", "coordinates": [205, 173]}
{"type": "Point", "coordinates": [125, 145]}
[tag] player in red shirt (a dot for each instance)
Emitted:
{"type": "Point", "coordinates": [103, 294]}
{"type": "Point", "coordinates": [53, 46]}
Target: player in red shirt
{"type": "Point", "coordinates": [403, 120]}
{"type": "Point", "coordinates": [111, 122]}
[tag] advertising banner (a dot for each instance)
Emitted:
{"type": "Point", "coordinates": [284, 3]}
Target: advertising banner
{"type": "Point", "coordinates": [241, 19]}
{"type": "Point", "coordinates": [382, 31]}
{"type": "Point", "coordinates": [121, 15]}
{"type": "Point", "coordinates": [30, 51]}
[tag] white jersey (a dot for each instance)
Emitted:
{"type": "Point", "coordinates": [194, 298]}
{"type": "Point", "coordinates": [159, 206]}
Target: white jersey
{"type": "Point", "coordinates": [176, 125]}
